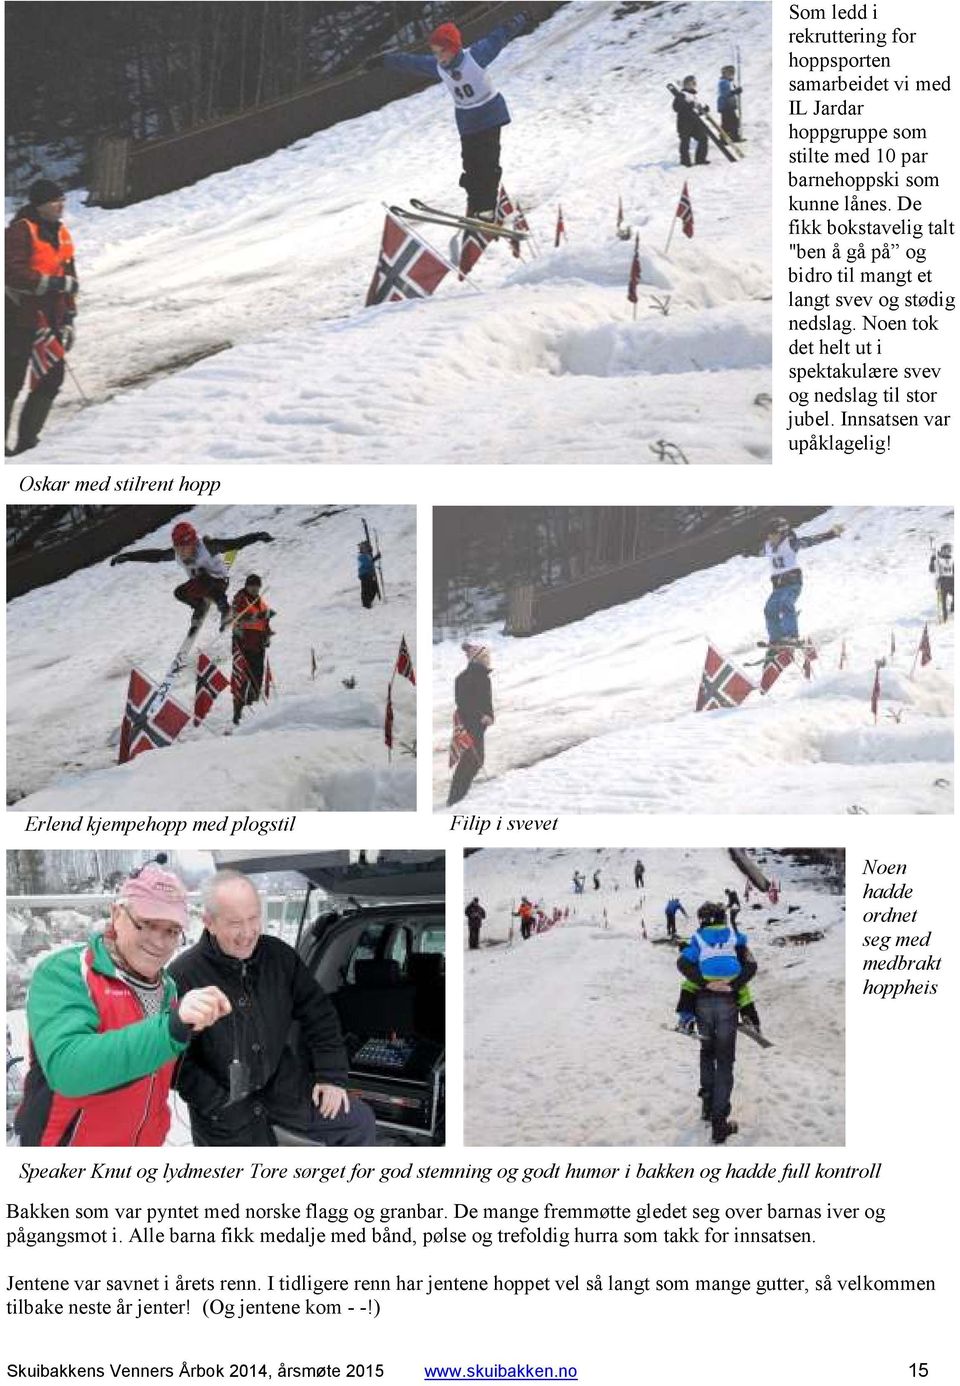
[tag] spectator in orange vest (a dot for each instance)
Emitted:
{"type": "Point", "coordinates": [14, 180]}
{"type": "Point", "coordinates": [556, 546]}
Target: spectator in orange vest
{"type": "Point", "coordinates": [41, 285]}
{"type": "Point", "coordinates": [524, 912]}
{"type": "Point", "coordinates": [252, 634]}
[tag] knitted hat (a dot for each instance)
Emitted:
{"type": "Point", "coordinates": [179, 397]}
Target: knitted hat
{"type": "Point", "coordinates": [45, 190]}
{"type": "Point", "coordinates": [475, 651]}
{"type": "Point", "coordinates": [447, 36]}
{"type": "Point", "coordinates": [156, 894]}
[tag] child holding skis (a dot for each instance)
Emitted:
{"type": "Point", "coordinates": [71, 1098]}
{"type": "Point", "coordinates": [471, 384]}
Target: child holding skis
{"type": "Point", "coordinates": [727, 103]}
{"type": "Point", "coordinates": [481, 111]}
{"type": "Point", "coordinates": [207, 574]}
{"type": "Point", "coordinates": [367, 573]}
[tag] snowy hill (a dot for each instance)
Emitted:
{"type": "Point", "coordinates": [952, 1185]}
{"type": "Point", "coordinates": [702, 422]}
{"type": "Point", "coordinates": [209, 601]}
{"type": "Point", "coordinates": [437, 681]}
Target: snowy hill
{"type": "Point", "coordinates": [316, 745]}
{"type": "Point", "coordinates": [563, 1042]}
{"type": "Point", "coordinates": [598, 716]}
{"type": "Point", "coordinates": [268, 265]}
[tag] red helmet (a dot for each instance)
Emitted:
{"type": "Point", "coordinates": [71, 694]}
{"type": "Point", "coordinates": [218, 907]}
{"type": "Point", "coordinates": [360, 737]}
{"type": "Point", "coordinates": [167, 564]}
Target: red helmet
{"type": "Point", "coordinates": [183, 534]}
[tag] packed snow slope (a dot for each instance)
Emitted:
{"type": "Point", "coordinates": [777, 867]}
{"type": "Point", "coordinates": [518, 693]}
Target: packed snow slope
{"type": "Point", "coordinates": [598, 716]}
{"type": "Point", "coordinates": [268, 265]}
{"type": "Point", "coordinates": [315, 745]}
{"type": "Point", "coordinates": [563, 1039]}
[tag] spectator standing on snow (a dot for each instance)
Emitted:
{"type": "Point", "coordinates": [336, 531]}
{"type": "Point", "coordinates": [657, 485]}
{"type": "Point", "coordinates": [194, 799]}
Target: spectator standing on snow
{"type": "Point", "coordinates": [367, 573]}
{"type": "Point", "coordinates": [690, 125]}
{"type": "Point", "coordinates": [41, 286]}
{"type": "Point", "coordinates": [207, 574]}
{"type": "Point", "coordinates": [252, 633]}
{"type": "Point", "coordinates": [727, 103]}
{"type": "Point", "coordinates": [596, 879]}
{"type": "Point", "coordinates": [476, 914]}
{"type": "Point", "coordinates": [941, 565]}
{"type": "Point", "coordinates": [672, 908]}
{"type": "Point", "coordinates": [733, 904]}
{"type": "Point", "coordinates": [473, 698]}
{"type": "Point", "coordinates": [524, 912]}
{"type": "Point", "coordinates": [638, 873]}
{"type": "Point", "coordinates": [782, 547]}
{"type": "Point", "coordinates": [481, 111]}
{"type": "Point", "coordinates": [579, 881]}
{"type": "Point", "coordinates": [717, 967]}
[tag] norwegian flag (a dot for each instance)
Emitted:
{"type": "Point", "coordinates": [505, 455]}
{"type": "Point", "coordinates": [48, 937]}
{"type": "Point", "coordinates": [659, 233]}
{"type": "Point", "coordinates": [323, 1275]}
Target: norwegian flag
{"type": "Point", "coordinates": [634, 272]}
{"type": "Point", "coordinates": [561, 229]}
{"type": "Point", "coordinates": [460, 741]}
{"type": "Point", "coordinates": [148, 724]}
{"type": "Point", "coordinates": [210, 683]}
{"type": "Point", "coordinates": [472, 246]}
{"type": "Point", "coordinates": [407, 267]}
{"type": "Point", "coordinates": [388, 722]}
{"type": "Point", "coordinates": [721, 683]}
{"type": "Point", "coordinates": [506, 214]}
{"type": "Point", "coordinates": [46, 352]}
{"type": "Point", "coordinates": [875, 695]}
{"type": "Point", "coordinates": [685, 211]}
{"type": "Point", "coordinates": [774, 663]}
{"type": "Point", "coordinates": [404, 664]}
{"type": "Point", "coordinates": [239, 676]}
{"type": "Point", "coordinates": [926, 654]}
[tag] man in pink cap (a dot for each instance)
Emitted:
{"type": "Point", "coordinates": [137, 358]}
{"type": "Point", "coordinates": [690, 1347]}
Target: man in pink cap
{"type": "Point", "coordinates": [106, 1029]}
{"type": "Point", "coordinates": [473, 696]}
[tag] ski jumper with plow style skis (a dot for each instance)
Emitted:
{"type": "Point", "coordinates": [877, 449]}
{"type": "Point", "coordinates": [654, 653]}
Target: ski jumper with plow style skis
{"type": "Point", "coordinates": [780, 611]}
{"type": "Point", "coordinates": [481, 111]}
{"type": "Point", "coordinates": [207, 573]}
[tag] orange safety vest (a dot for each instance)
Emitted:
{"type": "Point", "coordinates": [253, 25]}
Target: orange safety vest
{"type": "Point", "coordinates": [46, 258]}
{"type": "Point", "coordinates": [254, 616]}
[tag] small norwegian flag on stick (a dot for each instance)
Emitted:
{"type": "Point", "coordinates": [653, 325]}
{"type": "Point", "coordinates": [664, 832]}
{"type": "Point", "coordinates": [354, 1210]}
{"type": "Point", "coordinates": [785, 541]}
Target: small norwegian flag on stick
{"type": "Point", "coordinates": [924, 653]}
{"type": "Point", "coordinates": [561, 230]}
{"type": "Point", "coordinates": [634, 277]}
{"type": "Point", "coordinates": [404, 664]}
{"type": "Point", "coordinates": [684, 214]}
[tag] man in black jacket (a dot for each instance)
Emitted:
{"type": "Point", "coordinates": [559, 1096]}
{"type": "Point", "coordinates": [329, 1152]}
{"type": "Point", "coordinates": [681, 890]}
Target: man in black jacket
{"type": "Point", "coordinates": [250, 1072]}
{"type": "Point", "coordinates": [690, 124]}
{"type": "Point", "coordinates": [473, 696]}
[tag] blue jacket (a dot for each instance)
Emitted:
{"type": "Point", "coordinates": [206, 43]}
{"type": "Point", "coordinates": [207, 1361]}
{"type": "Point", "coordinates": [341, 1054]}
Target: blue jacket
{"type": "Point", "coordinates": [734, 965]}
{"type": "Point", "coordinates": [672, 906]}
{"type": "Point", "coordinates": [473, 119]}
{"type": "Point", "coordinates": [365, 564]}
{"type": "Point", "coordinates": [726, 100]}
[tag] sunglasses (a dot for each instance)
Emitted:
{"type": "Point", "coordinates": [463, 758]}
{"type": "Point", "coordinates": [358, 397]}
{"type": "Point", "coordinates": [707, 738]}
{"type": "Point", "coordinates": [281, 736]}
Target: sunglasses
{"type": "Point", "coordinates": [167, 934]}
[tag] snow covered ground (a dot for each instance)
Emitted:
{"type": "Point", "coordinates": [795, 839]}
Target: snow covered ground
{"type": "Point", "coordinates": [315, 745]}
{"type": "Point", "coordinates": [563, 1041]}
{"type": "Point", "coordinates": [272, 260]}
{"type": "Point", "coordinates": [598, 716]}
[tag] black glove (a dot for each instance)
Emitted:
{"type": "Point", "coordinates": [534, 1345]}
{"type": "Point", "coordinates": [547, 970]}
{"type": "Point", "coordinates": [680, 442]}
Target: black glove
{"type": "Point", "coordinates": [68, 335]}
{"type": "Point", "coordinates": [374, 61]}
{"type": "Point", "coordinates": [62, 284]}
{"type": "Point", "coordinates": [118, 558]}
{"type": "Point", "coordinates": [264, 537]}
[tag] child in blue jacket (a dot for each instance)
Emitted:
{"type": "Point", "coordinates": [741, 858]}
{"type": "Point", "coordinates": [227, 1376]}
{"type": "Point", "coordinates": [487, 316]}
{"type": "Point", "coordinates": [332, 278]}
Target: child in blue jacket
{"type": "Point", "coordinates": [480, 109]}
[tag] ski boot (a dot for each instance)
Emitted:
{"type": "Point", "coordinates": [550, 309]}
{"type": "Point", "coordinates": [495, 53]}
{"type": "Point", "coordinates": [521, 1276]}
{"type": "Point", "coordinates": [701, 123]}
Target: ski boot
{"type": "Point", "coordinates": [722, 1128]}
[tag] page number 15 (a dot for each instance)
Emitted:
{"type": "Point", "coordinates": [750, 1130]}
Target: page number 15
{"type": "Point", "coordinates": [919, 1369]}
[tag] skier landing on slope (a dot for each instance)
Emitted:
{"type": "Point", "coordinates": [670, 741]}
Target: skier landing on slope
{"type": "Point", "coordinates": [480, 109]}
{"type": "Point", "coordinates": [207, 574]}
{"type": "Point", "coordinates": [782, 547]}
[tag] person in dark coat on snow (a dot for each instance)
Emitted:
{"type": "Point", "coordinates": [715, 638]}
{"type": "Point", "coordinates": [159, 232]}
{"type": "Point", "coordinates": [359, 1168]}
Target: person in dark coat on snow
{"type": "Point", "coordinates": [367, 573]}
{"type": "Point", "coordinates": [40, 279]}
{"type": "Point", "coordinates": [473, 697]}
{"type": "Point", "coordinates": [278, 1057]}
{"type": "Point", "coordinates": [638, 874]}
{"type": "Point", "coordinates": [476, 914]}
{"type": "Point", "coordinates": [690, 126]}
{"type": "Point", "coordinates": [480, 109]}
{"type": "Point", "coordinates": [207, 574]}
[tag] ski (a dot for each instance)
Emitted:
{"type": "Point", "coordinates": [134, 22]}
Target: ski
{"type": "Point", "coordinates": [724, 149]}
{"type": "Point", "coordinates": [421, 211]}
{"type": "Point", "coordinates": [751, 1032]}
{"type": "Point", "coordinates": [721, 134]}
{"type": "Point", "coordinates": [377, 575]}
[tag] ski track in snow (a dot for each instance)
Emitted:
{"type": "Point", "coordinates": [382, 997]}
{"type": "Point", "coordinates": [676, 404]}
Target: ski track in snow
{"type": "Point", "coordinates": [274, 258]}
{"type": "Point", "coordinates": [315, 745]}
{"type": "Point", "coordinates": [598, 716]}
{"type": "Point", "coordinates": [563, 1044]}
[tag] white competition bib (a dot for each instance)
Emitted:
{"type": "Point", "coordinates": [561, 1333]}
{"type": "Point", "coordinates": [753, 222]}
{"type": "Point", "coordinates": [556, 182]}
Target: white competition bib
{"type": "Point", "coordinates": [783, 556]}
{"type": "Point", "coordinates": [203, 561]}
{"type": "Point", "coordinates": [467, 82]}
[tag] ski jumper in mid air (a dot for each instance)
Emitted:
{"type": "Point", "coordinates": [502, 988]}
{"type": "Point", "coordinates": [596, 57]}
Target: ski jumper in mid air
{"type": "Point", "coordinates": [480, 109]}
{"type": "Point", "coordinates": [207, 574]}
{"type": "Point", "coordinates": [783, 547]}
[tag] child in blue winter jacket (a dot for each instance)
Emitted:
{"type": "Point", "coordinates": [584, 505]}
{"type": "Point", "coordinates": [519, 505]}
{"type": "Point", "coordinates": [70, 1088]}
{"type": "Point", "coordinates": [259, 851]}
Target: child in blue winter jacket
{"type": "Point", "coordinates": [481, 110]}
{"type": "Point", "coordinates": [727, 103]}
